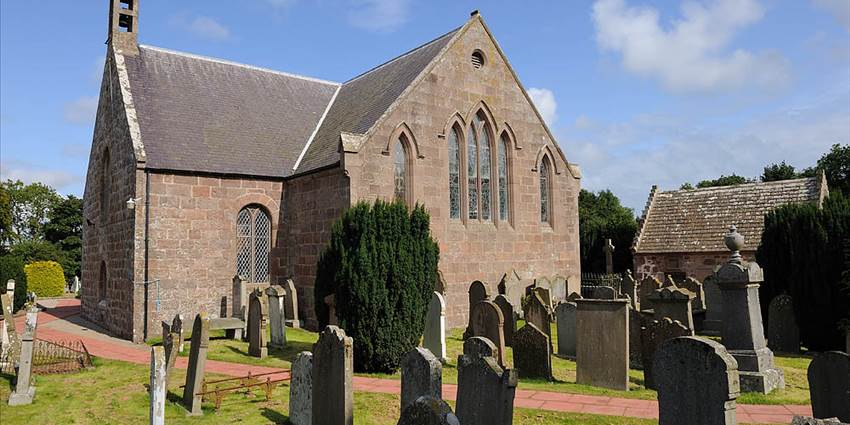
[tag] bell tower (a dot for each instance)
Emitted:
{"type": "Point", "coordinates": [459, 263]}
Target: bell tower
{"type": "Point", "coordinates": [123, 26]}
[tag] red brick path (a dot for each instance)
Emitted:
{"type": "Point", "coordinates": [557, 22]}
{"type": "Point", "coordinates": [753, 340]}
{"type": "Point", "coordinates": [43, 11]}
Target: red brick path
{"type": "Point", "coordinates": [562, 402]}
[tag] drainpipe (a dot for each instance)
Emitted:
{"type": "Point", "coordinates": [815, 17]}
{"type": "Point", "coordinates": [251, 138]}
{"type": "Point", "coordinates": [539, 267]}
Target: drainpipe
{"type": "Point", "coordinates": [147, 226]}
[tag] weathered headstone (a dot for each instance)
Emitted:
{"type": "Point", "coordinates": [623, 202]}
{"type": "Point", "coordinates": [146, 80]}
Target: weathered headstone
{"type": "Point", "coordinates": [546, 296]}
{"type": "Point", "coordinates": [277, 318]}
{"type": "Point", "coordinates": [656, 333]}
{"type": "Point", "coordinates": [508, 314]}
{"type": "Point", "coordinates": [636, 324]}
{"type": "Point", "coordinates": [8, 300]}
{"type": "Point", "coordinates": [602, 343]}
{"type": "Point", "coordinates": [829, 385]}
{"type": "Point", "coordinates": [330, 303]}
{"type": "Point", "coordinates": [565, 320]}
{"type": "Point", "coordinates": [512, 287]}
{"type": "Point", "coordinates": [24, 390]}
{"type": "Point", "coordinates": [713, 307]}
{"type": "Point", "coordinates": [478, 292]}
{"type": "Point", "coordinates": [697, 382]}
{"type": "Point", "coordinates": [783, 334]}
{"type": "Point", "coordinates": [674, 303]}
{"type": "Point", "coordinates": [696, 287]}
{"type": "Point", "coordinates": [536, 313]}
{"type": "Point", "coordinates": [301, 390]}
{"type": "Point", "coordinates": [170, 343]}
{"type": "Point", "coordinates": [427, 410]}
{"type": "Point", "coordinates": [197, 363]}
{"type": "Point", "coordinates": [290, 306]}
{"type": "Point", "coordinates": [485, 391]}
{"type": "Point", "coordinates": [421, 375]}
{"type": "Point", "coordinates": [177, 328]}
{"type": "Point", "coordinates": [742, 332]}
{"type": "Point", "coordinates": [333, 364]}
{"type": "Point", "coordinates": [487, 322]}
{"type": "Point", "coordinates": [647, 287]}
{"type": "Point", "coordinates": [258, 319]}
{"type": "Point", "coordinates": [629, 288]}
{"type": "Point", "coordinates": [609, 256]}
{"type": "Point", "coordinates": [532, 353]}
{"type": "Point", "coordinates": [434, 337]}
{"type": "Point", "coordinates": [240, 306]}
{"type": "Point", "coordinates": [600, 292]}
{"type": "Point", "coordinates": [157, 386]}
{"type": "Point", "coordinates": [805, 420]}
{"type": "Point", "coordinates": [559, 289]}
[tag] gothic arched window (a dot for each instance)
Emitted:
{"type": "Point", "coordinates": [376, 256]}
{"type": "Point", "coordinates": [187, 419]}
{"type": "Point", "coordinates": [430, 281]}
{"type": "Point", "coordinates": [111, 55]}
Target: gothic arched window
{"type": "Point", "coordinates": [478, 168]}
{"type": "Point", "coordinates": [454, 174]}
{"type": "Point", "coordinates": [253, 231]}
{"type": "Point", "coordinates": [545, 191]}
{"type": "Point", "coordinates": [400, 162]}
{"type": "Point", "coordinates": [503, 177]}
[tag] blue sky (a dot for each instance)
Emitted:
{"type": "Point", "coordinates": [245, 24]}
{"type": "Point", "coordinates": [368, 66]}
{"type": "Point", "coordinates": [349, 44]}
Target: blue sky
{"type": "Point", "coordinates": [637, 92]}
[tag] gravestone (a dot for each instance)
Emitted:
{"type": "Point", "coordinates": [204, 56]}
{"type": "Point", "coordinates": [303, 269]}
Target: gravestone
{"type": "Point", "coordinates": [543, 282]}
{"type": "Point", "coordinates": [559, 289]}
{"type": "Point", "coordinates": [8, 300]}
{"type": "Point", "coordinates": [713, 307]}
{"type": "Point", "coordinates": [240, 307]}
{"type": "Point", "coordinates": [674, 303]}
{"type": "Point", "coordinates": [602, 343]}
{"type": "Point", "coordinates": [536, 313]}
{"type": "Point", "coordinates": [805, 420]}
{"type": "Point", "coordinates": [258, 319]}
{"type": "Point", "coordinates": [197, 364]}
{"type": "Point", "coordinates": [609, 257]}
{"type": "Point", "coordinates": [177, 328]}
{"type": "Point", "coordinates": [647, 287]}
{"type": "Point", "coordinates": [290, 304]}
{"type": "Point", "coordinates": [434, 337]}
{"type": "Point", "coordinates": [783, 335]}
{"type": "Point", "coordinates": [487, 322]}
{"type": "Point", "coordinates": [169, 345]}
{"type": "Point", "coordinates": [636, 325]}
{"type": "Point", "coordinates": [301, 390]}
{"type": "Point", "coordinates": [24, 390]}
{"type": "Point", "coordinates": [277, 317]}
{"type": "Point", "coordinates": [485, 391]}
{"type": "Point", "coordinates": [512, 287]}
{"type": "Point", "coordinates": [508, 314]}
{"type": "Point", "coordinates": [697, 288]}
{"type": "Point", "coordinates": [829, 385]}
{"type": "Point", "coordinates": [565, 320]}
{"type": "Point", "coordinates": [656, 333]}
{"type": "Point", "coordinates": [333, 393]}
{"type": "Point", "coordinates": [697, 382]}
{"type": "Point", "coordinates": [158, 385]}
{"type": "Point", "coordinates": [330, 302]}
{"type": "Point", "coordinates": [546, 296]}
{"type": "Point", "coordinates": [629, 288]}
{"type": "Point", "coordinates": [478, 292]}
{"type": "Point", "coordinates": [421, 375]}
{"type": "Point", "coordinates": [600, 292]}
{"type": "Point", "coordinates": [742, 331]}
{"type": "Point", "coordinates": [427, 410]}
{"type": "Point", "coordinates": [532, 353]}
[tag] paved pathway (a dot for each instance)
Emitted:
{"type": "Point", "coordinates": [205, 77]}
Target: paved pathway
{"type": "Point", "coordinates": [61, 321]}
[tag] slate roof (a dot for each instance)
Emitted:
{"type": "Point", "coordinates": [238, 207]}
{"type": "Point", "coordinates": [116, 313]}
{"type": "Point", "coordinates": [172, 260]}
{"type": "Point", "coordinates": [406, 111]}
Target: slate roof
{"type": "Point", "coordinates": [202, 114]}
{"type": "Point", "coordinates": [363, 99]}
{"type": "Point", "coordinates": [695, 220]}
{"type": "Point", "coordinates": [208, 115]}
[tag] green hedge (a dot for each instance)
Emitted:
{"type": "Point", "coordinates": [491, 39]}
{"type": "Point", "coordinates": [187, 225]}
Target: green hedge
{"type": "Point", "coordinates": [45, 278]}
{"type": "Point", "coordinates": [804, 253]}
{"type": "Point", "coordinates": [12, 267]}
{"type": "Point", "coordinates": [381, 265]}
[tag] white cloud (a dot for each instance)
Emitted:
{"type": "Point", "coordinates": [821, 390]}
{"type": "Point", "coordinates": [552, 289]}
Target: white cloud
{"type": "Point", "coordinates": [840, 9]}
{"type": "Point", "coordinates": [27, 173]}
{"type": "Point", "coordinates": [81, 111]}
{"type": "Point", "coordinates": [692, 53]}
{"type": "Point", "coordinates": [545, 102]}
{"type": "Point", "coordinates": [208, 28]}
{"type": "Point", "coordinates": [378, 15]}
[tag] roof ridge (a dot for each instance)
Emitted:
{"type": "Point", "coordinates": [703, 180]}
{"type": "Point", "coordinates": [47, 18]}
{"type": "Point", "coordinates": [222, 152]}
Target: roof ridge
{"type": "Point", "coordinates": [407, 53]}
{"type": "Point", "coordinates": [228, 62]}
{"type": "Point", "coordinates": [738, 186]}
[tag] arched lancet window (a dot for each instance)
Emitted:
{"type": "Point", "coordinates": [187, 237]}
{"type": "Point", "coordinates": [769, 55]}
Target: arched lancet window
{"type": "Point", "coordinates": [400, 160]}
{"type": "Point", "coordinates": [105, 186]}
{"type": "Point", "coordinates": [478, 168]}
{"type": "Point", "coordinates": [545, 191]}
{"type": "Point", "coordinates": [253, 231]}
{"type": "Point", "coordinates": [503, 177]}
{"type": "Point", "coordinates": [101, 282]}
{"type": "Point", "coordinates": [454, 174]}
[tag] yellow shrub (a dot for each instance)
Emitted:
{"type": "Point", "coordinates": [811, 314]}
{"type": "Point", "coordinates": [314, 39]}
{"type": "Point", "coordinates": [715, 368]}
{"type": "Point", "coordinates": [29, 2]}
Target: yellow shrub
{"type": "Point", "coordinates": [45, 278]}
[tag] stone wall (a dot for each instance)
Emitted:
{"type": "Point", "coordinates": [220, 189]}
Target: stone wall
{"type": "Point", "coordinates": [698, 265]}
{"type": "Point", "coordinates": [471, 249]}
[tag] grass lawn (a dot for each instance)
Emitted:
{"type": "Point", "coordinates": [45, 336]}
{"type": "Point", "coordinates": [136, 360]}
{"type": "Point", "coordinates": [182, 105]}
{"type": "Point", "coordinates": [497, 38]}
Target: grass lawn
{"type": "Point", "coordinates": [796, 383]}
{"type": "Point", "coordinates": [116, 392]}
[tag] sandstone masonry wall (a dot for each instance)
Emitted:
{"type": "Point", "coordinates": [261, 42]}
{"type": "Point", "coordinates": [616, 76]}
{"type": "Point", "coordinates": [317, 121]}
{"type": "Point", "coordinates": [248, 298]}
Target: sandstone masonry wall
{"type": "Point", "coordinates": [698, 265]}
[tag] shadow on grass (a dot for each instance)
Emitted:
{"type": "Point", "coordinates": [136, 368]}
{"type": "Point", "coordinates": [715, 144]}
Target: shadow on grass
{"type": "Point", "coordinates": [237, 350]}
{"type": "Point", "coordinates": [274, 416]}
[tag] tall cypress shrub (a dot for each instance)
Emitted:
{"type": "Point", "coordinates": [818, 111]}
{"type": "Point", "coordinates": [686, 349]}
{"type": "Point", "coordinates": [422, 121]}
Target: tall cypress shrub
{"type": "Point", "coordinates": [381, 266]}
{"type": "Point", "coordinates": [802, 253]}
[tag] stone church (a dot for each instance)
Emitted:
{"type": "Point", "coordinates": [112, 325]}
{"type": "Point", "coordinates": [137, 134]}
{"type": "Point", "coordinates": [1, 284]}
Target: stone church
{"type": "Point", "coordinates": [203, 169]}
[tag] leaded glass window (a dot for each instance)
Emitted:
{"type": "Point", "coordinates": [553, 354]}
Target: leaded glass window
{"type": "Point", "coordinates": [472, 172]}
{"type": "Point", "coordinates": [454, 174]}
{"type": "Point", "coordinates": [485, 171]}
{"type": "Point", "coordinates": [503, 177]}
{"type": "Point", "coordinates": [253, 232]}
{"type": "Point", "coordinates": [545, 213]}
{"type": "Point", "coordinates": [400, 176]}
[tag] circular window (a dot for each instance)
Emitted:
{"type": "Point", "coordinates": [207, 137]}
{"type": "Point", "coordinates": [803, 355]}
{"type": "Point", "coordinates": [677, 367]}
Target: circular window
{"type": "Point", "coordinates": [477, 59]}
